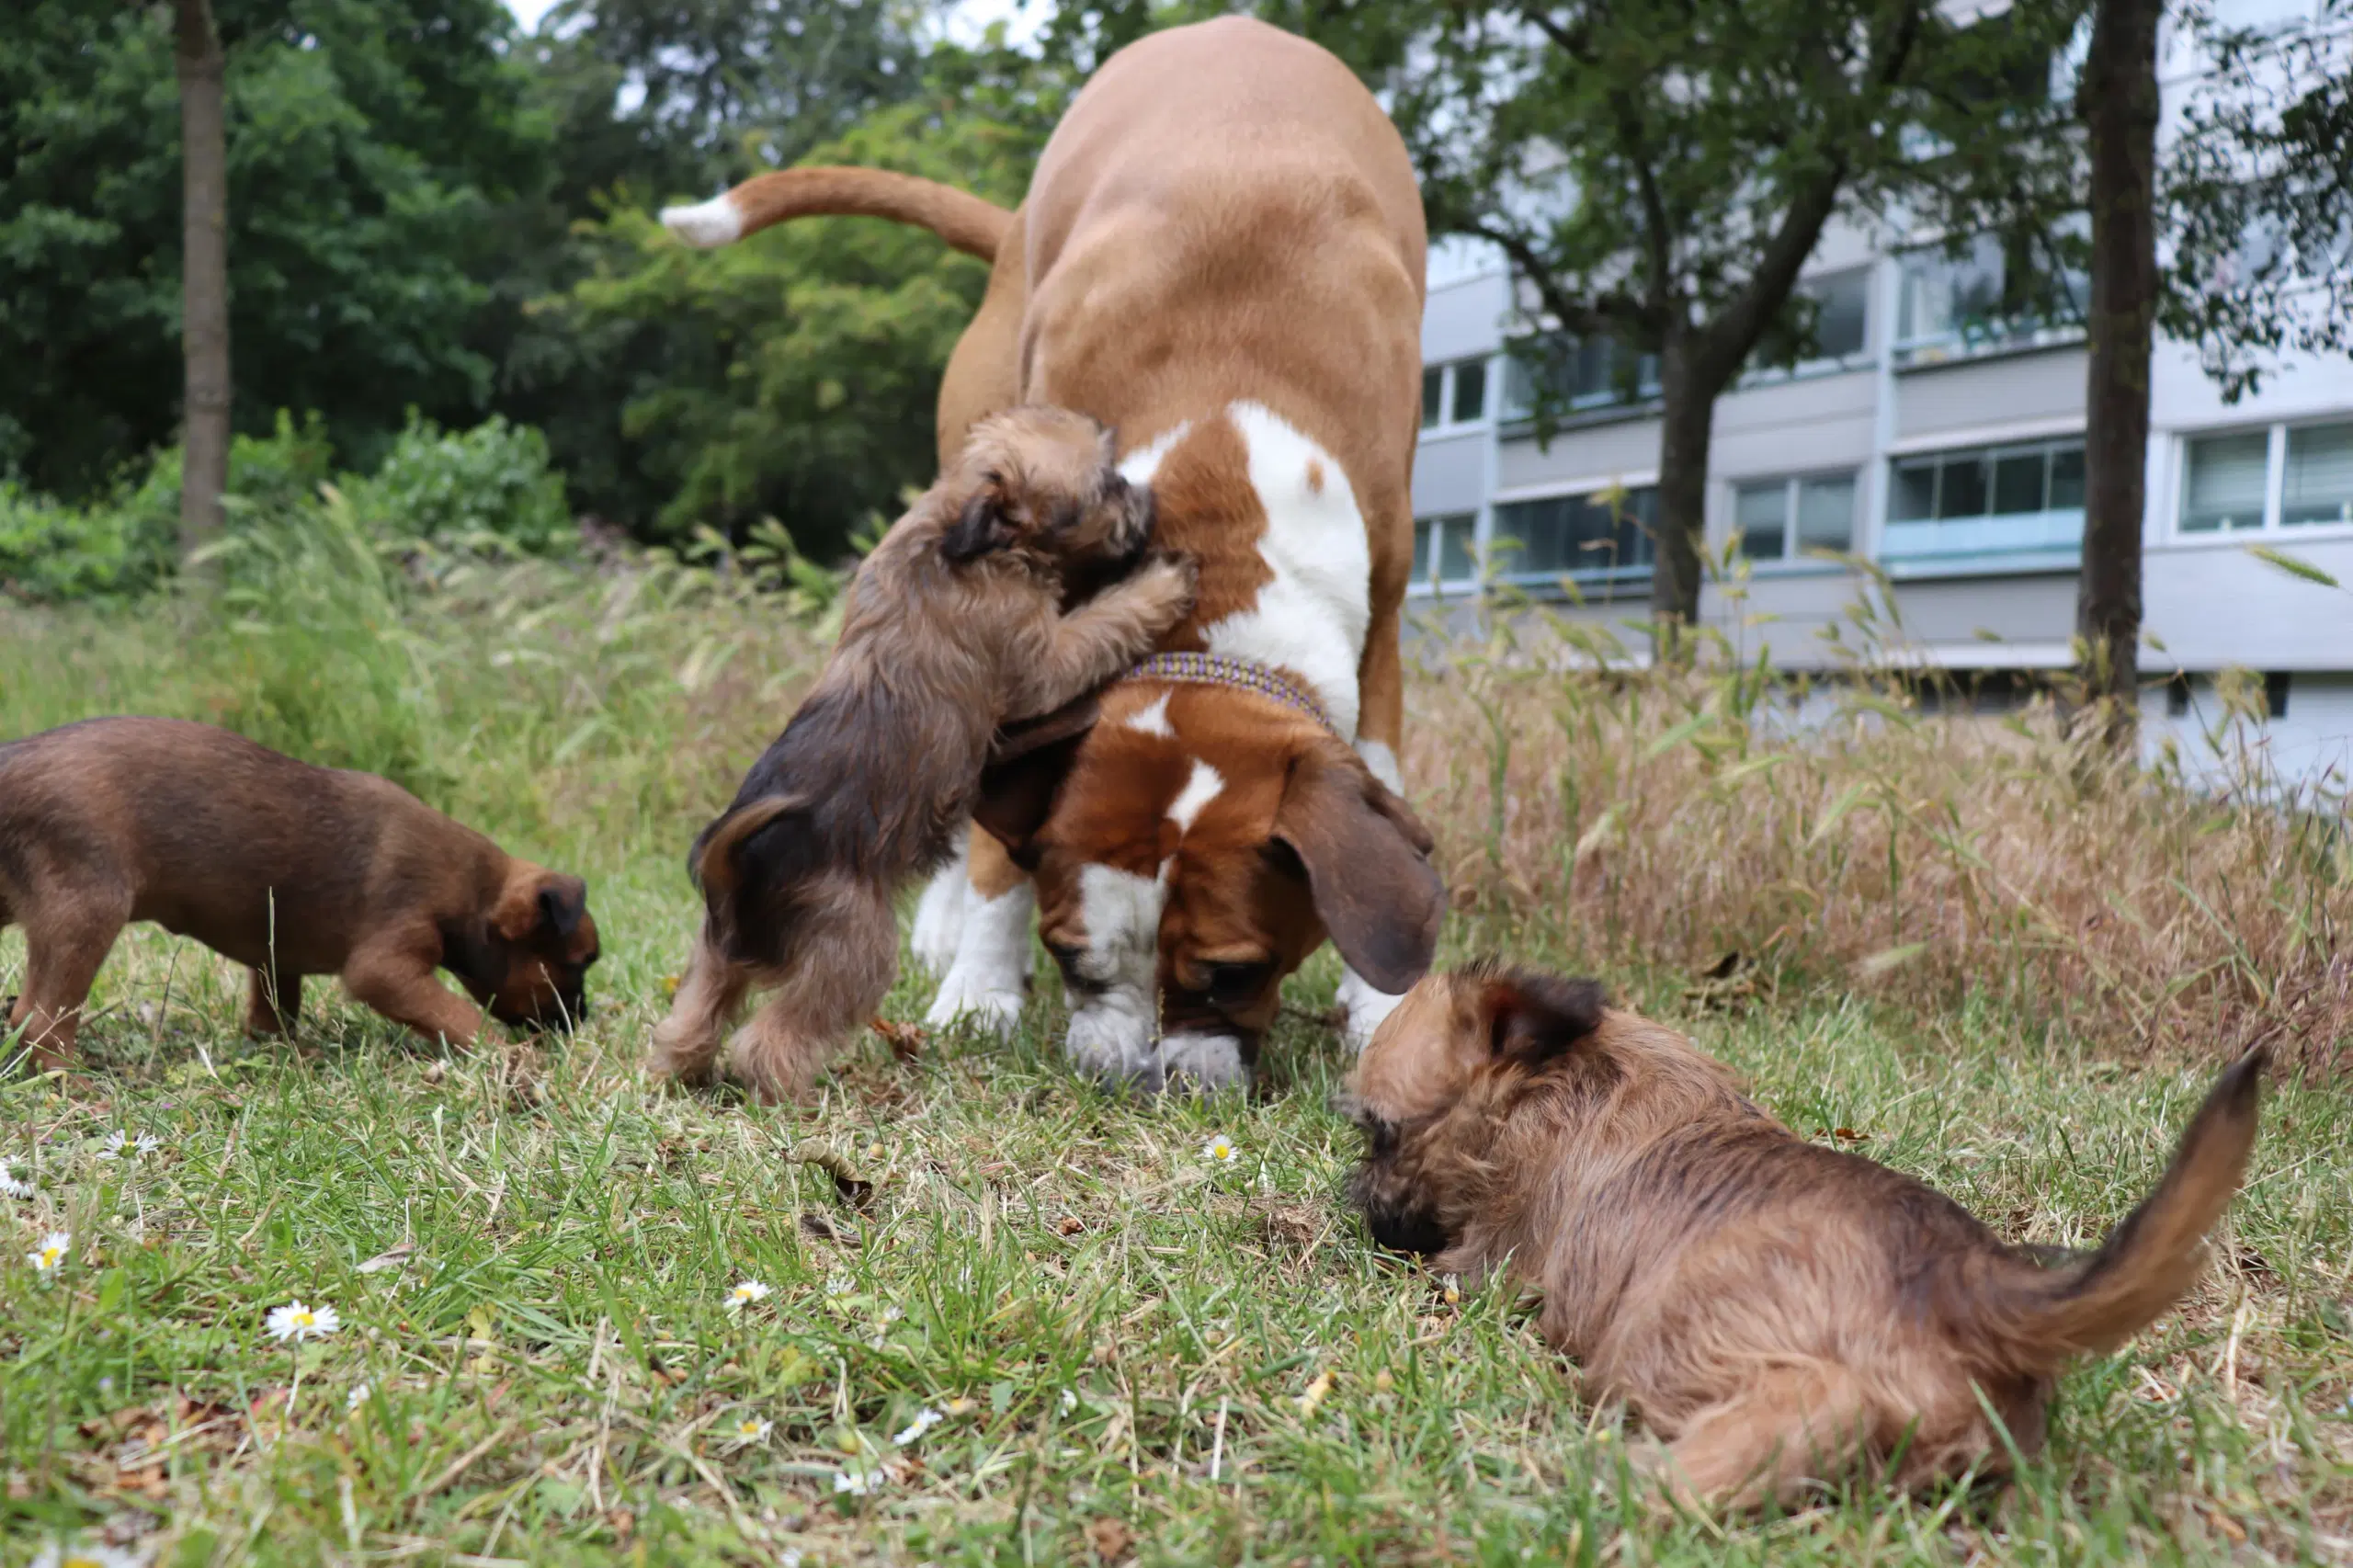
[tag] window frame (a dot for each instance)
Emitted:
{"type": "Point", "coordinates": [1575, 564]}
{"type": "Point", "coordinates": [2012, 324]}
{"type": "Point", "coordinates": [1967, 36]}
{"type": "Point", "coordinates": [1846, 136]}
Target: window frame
{"type": "Point", "coordinates": [1862, 358]}
{"type": "Point", "coordinates": [1425, 582]}
{"type": "Point", "coordinates": [1793, 559]}
{"type": "Point", "coordinates": [2272, 528]}
{"type": "Point", "coordinates": [1446, 424]}
{"type": "Point", "coordinates": [1598, 585]}
{"type": "Point", "coordinates": [1985, 560]}
{"type": "Point", "coordinates": [1991, 339]}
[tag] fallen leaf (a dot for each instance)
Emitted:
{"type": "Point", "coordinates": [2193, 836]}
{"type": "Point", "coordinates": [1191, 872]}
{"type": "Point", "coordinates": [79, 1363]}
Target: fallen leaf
{"type": "Point", "coordinates": [391, 1257]}
{"type": "Point", "coordinates": [1316, 1391]}
{"type": "Point", "coordinates": [905, 1041]}
{"type": "Point", "coordinates": [1069, 1225]}
{"type": "Point", "coordinates": [1110, 1537]}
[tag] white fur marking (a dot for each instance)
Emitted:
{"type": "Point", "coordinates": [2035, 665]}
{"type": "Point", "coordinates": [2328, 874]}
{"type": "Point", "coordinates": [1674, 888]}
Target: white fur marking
{"type": "Point", "coordinates": [992, 957]}
{"type": "Point", "coordinates": [1139, 466]}
{"type": "Point", "coordinates": [1363, 1007]}
{"type": "Point", "coordinates": [1203, 1062]}
{"type": "Point", "coordinates": [1311, 620]}
{"type": "Point", "coordinates": [1111, 1030]}
{"type": "Point", "coordinates": [939, 915]}
{"type": "Point", "coordinates": [706, 224]}
{"type": "Point", "coordinates": [1153, 720]}
{"type": "Point", "coordinates": [1205, 785]}
{"type": "Point", "coordinates": [1381, 762]}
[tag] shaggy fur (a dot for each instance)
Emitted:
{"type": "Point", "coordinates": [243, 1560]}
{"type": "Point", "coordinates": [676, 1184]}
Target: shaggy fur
{"type": "Point", "coordinates": [1779, 1314]}
{"type": "Point", "coordinates": [955, 628]}
{"type": "Point", "coordinates": [285, 868]}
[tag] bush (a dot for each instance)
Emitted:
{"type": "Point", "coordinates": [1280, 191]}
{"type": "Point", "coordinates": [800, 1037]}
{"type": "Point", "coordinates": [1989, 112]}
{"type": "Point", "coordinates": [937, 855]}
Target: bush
{"type": "Point", "coordinates": [50, 552]}
{"type": "Point", "coordinates": [487, 486]}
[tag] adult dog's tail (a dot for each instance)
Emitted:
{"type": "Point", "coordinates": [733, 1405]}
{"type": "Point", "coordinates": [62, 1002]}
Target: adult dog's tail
{"type": "Point", "coordinates": [2149, 1262]}
{"type": "Point", "coordinates": [965, 221]}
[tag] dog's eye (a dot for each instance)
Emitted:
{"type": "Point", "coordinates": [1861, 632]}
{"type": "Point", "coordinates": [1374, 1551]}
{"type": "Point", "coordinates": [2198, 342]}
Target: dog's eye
{"type": "Point", "coordinates": [1236, 983]}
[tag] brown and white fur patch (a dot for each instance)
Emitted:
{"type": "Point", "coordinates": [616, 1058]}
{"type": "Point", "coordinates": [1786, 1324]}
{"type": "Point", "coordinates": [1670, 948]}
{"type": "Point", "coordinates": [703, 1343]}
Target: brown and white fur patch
{"type": "Point", "coordinates": [1779, 1314]}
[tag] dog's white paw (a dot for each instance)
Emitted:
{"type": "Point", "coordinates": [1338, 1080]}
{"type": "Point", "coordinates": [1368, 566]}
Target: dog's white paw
{"type": "Point", "coordinates": [939, 915]}
{"type": "Point", "coordinates": [1203, 1064]}
{"type": "Point", "coordinates": [987, 984]}
{"type": "Point", "coordinates": [1361, 1007]}
{"type": "Point", "coordinates": [1110, 1038]}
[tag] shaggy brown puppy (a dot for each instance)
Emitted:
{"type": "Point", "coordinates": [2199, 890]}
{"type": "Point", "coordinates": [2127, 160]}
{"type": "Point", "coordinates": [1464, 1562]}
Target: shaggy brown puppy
{"type": "Point", "coordinates": [1778, 1313]}
{"type": "Point", "coordinates": [287, 868]}
{"type": "Point", "coordinates": [955, 627]}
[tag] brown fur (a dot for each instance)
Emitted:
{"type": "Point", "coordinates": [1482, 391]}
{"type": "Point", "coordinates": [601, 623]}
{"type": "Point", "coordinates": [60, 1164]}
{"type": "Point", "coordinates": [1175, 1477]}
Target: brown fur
{"type": "Point", "coordinates": [285, 868]}
{"type": "Point", "coordinates": [1224, 213]}
{"type": "Point", "coordinates": [955, 629]}
{"type": "Point", "coordinates": [1779, 1313]}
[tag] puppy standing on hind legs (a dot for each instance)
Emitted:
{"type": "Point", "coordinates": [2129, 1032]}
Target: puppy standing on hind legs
{"type": "Point", "coordinates": [954, 628]}
{"type": "Point", "coordinates": [1778, 1313]}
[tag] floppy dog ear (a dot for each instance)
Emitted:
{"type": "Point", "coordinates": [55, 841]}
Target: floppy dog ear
{"type": "Point", "coordinates": [1367, 856]}
{"type": "Point", "coordinates": [981, 527]}
{"type": "Point", "coordinates": [563, 900]}
{"type": "Point", "coordinates": [1534, 1019]}
{"type": "Point", "coordinates": [1024, 772]}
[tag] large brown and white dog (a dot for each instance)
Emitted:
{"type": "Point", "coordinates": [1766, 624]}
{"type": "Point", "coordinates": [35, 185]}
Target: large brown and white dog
{"type": "Point", "coordinates": [1222, 256]}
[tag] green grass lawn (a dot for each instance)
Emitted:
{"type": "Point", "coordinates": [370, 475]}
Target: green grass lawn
{"type": "Point", "coordinates": [1138, 1353]}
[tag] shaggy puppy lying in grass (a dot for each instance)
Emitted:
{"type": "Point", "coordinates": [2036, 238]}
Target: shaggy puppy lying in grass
{"type": "Point", "coordinates": [1780, 1314]}
{"type": "Point", "coordinates": [955, 627]}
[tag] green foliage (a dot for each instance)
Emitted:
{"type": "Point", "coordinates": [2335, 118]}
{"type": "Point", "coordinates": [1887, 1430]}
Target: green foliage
{"type": "Point", "coordinates": [794, 375]}
{"type": "Point", "coordinates": [369, 143]}
{"type": "Point", "coordinates": [50, 551]}
{"type": "Point", "coordinates": [490, 484]}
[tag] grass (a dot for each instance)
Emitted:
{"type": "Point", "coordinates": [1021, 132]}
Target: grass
{"type": "Point", "coordinates": [1166, 1360]}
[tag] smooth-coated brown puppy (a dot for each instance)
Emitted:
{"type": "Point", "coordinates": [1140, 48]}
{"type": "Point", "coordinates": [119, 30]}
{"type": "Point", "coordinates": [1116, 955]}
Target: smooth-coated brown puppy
{"type": "Point", "coordinates": [955, 627]}
{"type": "Point", "coordinates": [1778, 1313]}
{"type": "Point", "coordinates": [285, 868]}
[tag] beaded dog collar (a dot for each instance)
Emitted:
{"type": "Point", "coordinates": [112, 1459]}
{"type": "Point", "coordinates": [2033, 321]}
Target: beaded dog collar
{"type": "Point", "coordinates": [1216, 669]}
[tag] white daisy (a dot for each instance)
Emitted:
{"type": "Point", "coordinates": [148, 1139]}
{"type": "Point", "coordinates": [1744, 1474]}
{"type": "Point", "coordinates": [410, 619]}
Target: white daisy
{"type": "Point", "coordinates": [959, 1405]}
{"type": "Point", "coordinates": [118, 1144]}
{"type": "Point", "coordinates": [296, 1321]}
{"type": "Point", "coordinates": [749, 1431]}
{"type": "Point", "coordinates": [58, 1555]}
{"type": "Point", "coordinates": [926, 1419]}
{"type": "Point", "coordinates": [11, 1186]}
{"type": "Point", "coordinates": [856, 1483]}
{"type": "Point", "coordinates": [788, 1558]}
{"type": "Point", "coordinates": [358, 1396]}
{"type": "Point", "coordinates": [746, 1291]}
{"type": "Point", "coordinates": [838, 1284]}
{"type": "Point", "coordinates": [1220, 1150]}
{"type": "Point", "coordinates": [51, 1253]}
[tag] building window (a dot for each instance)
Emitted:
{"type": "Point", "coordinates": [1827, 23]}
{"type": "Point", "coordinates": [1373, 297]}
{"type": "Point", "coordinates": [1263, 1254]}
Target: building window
{"type": "Point", "coordinates": [1842, 317]}
{"type": "Point", "coordinates": [1956, 307]}
{"type": "Point", "coordinates": [1987, 502]}
{"type": "Point", "coordinates": [1601, 540]}
{"type": "Point", "coordinates": [2285, 476]}
{"type": "Point", "coordinates": [1784, 519]}
{"type": "Point", "coordinates": [1454, 394]}
{"type": "Point", "coordinates": [1446, 549]}
{"type": "Point", "coordinates": [1580, 374]}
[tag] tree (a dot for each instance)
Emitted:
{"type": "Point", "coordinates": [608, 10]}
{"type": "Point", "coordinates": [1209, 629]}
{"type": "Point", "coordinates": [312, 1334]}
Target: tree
{"type": "Point", "coordinates": [2117, 99]}
{"type": "Point", "coordinates": [1658, 175]}
{"type": "Point", "coordinates": [368, 144]}
{"type": "Point", "coordinates": [204, 275]}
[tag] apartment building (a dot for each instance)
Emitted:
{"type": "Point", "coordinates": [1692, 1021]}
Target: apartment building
{"type": "Point", "coordinates": [1944, 446]}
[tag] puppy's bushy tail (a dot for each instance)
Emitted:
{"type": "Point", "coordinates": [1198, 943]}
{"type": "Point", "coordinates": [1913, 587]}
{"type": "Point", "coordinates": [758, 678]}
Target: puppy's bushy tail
{"type": "Point", "coordinates": [2151, 1260]}
{"type": "Point", "coordinates": [717, 860]}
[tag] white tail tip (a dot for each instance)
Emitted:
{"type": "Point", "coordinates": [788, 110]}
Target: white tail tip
{"type": "Point", "coordinates": [705, 224]}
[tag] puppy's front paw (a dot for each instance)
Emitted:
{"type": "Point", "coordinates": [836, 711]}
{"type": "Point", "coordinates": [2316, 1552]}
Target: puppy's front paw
{"type": "Point", "coordinates": [1167, 585]}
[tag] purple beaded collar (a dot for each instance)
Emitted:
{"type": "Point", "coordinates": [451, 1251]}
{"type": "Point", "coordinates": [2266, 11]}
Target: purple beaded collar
{"type": "Point", "coordinates": [1216, 669]}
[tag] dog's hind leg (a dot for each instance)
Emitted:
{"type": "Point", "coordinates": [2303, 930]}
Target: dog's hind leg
{"type": "Point", "coordinates": [685, 1043]}
{"type": "Point", "coordinates": [273, 1002]}
{"type": "Point", "coordinates": [840, 968]}
{"type": "Point", "coordinates": [1791, 1428]}
{"type": "Point", "coordinates": [67, 937]}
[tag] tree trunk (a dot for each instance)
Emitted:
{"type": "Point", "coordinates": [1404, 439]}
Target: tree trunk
{"type": "Point", "coordinates": [2117, 101]}
{"type": "Point", "coordinates": [1688, 420]}
{"type": "Point", "coordinates": [204, 271]}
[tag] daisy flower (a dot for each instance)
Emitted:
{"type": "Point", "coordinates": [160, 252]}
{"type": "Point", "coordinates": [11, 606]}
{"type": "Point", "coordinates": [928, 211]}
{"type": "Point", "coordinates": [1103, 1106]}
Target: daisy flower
{"type": "Point", "coordinates": [1069, 1402]}
{"type": "Point", "coordinates": [11, 1186]}
{"type": "Point", "coordinates": [296, 1321]}
{"type": "Point", "coordinates": [962, 1406]}
{"type": "Point", "coordinates": [838, 1284]}
{"type": "Point", "coordinates": [856, 1483]}
{"type": "Point", "coordinates": [56, 1555]}
{"type": "Point", "coordinates": [356, 1397]}
{"type": "Point", "coordinates": [926, 1419]}
{"type": "Point", "coordinates": [749, 1431]}
{"type": "Point", "coordinates": [1220, 1150]}
{"type": "Point", "coordinates": [746, 1291]}
{"type": "Point", "coordinates": [51, 1253]}
{"type": "Point", "coordinates": [118, 1144]}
